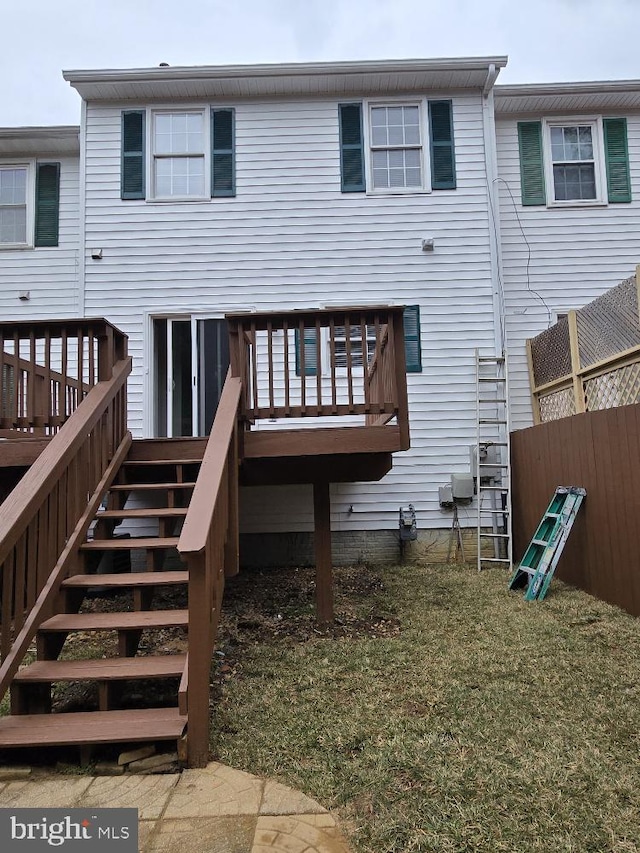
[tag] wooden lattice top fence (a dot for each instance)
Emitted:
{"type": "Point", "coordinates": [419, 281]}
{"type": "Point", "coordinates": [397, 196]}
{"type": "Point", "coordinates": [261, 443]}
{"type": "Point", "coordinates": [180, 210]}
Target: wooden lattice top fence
{"type": "Point", "coordinates": [589, 359]}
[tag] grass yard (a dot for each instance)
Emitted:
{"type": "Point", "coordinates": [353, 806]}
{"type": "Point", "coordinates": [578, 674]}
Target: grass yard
{"type": "Point", "coordinates": [442, 713]}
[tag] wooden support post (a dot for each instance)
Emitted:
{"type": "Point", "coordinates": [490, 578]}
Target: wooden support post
{"type": "Point", "coordinates": [232, 545]}
{"type": "Point", "coordinates": [199, 661]}
{"type": "Point", "coordinates": [535, 399]}
{"type": "Point", "coordinates": [578, 387]}
{"type": "Point", "coordinates": [322, 538]}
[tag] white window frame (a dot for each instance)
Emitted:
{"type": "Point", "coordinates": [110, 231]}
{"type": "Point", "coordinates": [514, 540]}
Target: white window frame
{"type": "Point", "coordinates": [597, 136]}
{"type": "Point", "coordinates": [200, 109]}
{"type": "Point", "coordinates": [425, 155]}
{"type": "Point", "coordinates": [29, 165]}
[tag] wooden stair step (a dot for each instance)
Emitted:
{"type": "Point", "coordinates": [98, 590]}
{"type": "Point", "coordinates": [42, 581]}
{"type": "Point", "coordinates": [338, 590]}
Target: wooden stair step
{"type": "Point", "coordinates": [127, 579]}
{"type": "Point", "coordinates": [87, 727]}
{"type": "Point", "coordinates": [147, 512]}
{"type": "Point", "coordinates": [141, 487]}
{"type": "Point", "coordinates": [110, 669]}
{"type": "Point", "coordinates": [123, 621]}
{"type": "Point", "coordinates": [130, 543]}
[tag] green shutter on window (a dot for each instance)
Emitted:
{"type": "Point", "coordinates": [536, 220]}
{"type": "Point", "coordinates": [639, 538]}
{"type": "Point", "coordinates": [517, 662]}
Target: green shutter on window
{"type": "Point", "coordinates": [133, 145]}
{"type": "Point", "coordinates": [443, 161]}
{"type": "Point", "coordinates": [310, 352]}
{"type": "Point", "coordinates": [47, 204]}
{"type": "Point", "coordinates": [223, 166]}
{"type": "Point", "coordinates": [351, 148]}
{"type": "Point", "coordinates": [412, 348]}
{"type": "Point", "coordinates": [531, 162]}
{"type": "Point", "coordinates": [617, 160]}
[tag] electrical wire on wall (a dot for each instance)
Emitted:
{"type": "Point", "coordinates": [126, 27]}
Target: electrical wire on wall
{"type": "Point", "coordinates": [528, 245]}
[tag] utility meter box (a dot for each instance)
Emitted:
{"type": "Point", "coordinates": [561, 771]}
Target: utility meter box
{"type": "Point", "coordinates": [445, 496]}
{"type": "Point", "coordinates": [462, 486]}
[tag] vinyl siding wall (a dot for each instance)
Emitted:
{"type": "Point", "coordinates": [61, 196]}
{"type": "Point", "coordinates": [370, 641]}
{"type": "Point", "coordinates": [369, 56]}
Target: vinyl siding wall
{"type": "Point", "coordinates": [575, 255]}
{"type": "Point", "coordinates": [50, 274]}
{"type": "Point", "coordinates": [291, 239]}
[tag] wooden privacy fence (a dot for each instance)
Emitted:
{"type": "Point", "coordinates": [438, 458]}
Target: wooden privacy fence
{"type": "Point", "coordinates": [601, 452]}
{"type": "Point", "coordinates": [209, 543]}
{"type": "Point", "coordinates": [48, 367]}
{"type": "Point", "coordinates": [590, 359]}
{"type": "Point", "coordinates": [327, 363]}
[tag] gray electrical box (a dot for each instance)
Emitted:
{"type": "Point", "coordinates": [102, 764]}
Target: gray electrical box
{"type": "Point", "coordinates": [445, 496]}
{"type": "Point", "coordinates": [489, 454]}
{"type": "Point", "coordinates": [462, 486]}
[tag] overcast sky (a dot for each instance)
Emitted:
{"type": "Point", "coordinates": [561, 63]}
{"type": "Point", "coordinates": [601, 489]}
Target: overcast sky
{"type": "Point", "coordinates": [546, 40]}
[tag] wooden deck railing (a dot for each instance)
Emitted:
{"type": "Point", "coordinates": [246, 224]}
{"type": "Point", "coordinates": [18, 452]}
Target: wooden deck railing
{"type": "Point", "coordinates": [46, 517]}
{"type": "Point", "coordinates": [48, 367]}
{"type": "Point", "coordinates": [326, 363]}
{"type": "Point", "coordinates": [209, 545]}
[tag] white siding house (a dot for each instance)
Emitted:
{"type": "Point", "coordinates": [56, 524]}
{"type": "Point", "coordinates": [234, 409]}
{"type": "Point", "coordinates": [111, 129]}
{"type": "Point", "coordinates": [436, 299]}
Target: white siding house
{"type": "Point", "coordinates": [290, 237]}
{"type": "Point", "coordinates": [193, 192]}
{"type": "Point", "coordinates": [39, 260]}
{"type": "Point", "coordinates": [557, 253]}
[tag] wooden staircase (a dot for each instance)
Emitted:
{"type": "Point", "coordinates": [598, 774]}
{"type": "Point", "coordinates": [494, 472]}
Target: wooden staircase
{"type": "Point", "coordinates": [86, 604]}
{"type": "Point", "coordinates": [67, 570]}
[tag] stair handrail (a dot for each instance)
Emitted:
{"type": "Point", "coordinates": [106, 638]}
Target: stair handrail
{"type": "Point", "coordinates": [50, 501]}
{"type": "Point", "coordinates": [209, 545]}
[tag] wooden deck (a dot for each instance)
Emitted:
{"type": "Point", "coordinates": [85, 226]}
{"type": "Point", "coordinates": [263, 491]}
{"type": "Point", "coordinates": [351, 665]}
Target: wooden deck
{"type": "Point", "coordinates": [333, 409]}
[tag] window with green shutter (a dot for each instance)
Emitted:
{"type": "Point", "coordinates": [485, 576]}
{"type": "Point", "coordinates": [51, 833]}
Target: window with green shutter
{"type": "Point", "coordinates": [443, 164]}
{"type": "Point", "coordinates": [617, 160]}
{"type": "Point", "coordinates": [310, 338]}
{"type": "Point", "coordinates": [351, 148]}
{"type": "Point", "coordinates": [531, 163]}
{"type": "Point", "coordinates": [133, 146]}
{"type": "Point", "coordinates": [47, 204]}
{"type": "Point", "coordinates": [412, 347]}
{"type": "Point", "coordinates": [223, 181]}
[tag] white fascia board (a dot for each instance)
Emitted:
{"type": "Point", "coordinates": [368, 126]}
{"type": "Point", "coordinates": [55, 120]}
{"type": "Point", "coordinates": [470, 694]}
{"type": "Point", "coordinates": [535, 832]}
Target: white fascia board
{"type": "Point", "coordinates": [62, 139]}
{"type": "Point", "coordinates": [533, 97]}
{"type": "Point", "coordinates": [261, 79]}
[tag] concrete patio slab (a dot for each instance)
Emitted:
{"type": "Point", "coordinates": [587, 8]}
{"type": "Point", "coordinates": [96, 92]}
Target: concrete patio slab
{"type": "Point", "coordinates": [149, 794]}
{"type": "Point", "coordinates": [213, 810]}
{"type": "Point", "coordinates": [216, 791]}
{"type": "Point", "coordinates": [203, 835]}
{"type": "Point", "coordinates": [49, 792]}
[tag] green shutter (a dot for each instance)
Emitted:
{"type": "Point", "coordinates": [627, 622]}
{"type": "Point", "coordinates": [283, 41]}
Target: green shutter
{"type": "Point", "coordinates": [351, 148]}
{"type": "Point", "coordinates": [443, 162]}
{"type": "Point", "coordinates": [133, 145]}
{"type": "Point", "coordinates": [531, 162]}
{"type": "Point", "coordinates": [412, 348]}
{"type": "Point", "coordinates": [617, 159]}
{"type": "Point", "coordinates": [47, 204]}
{"type": "Point", "coordinates": [310, 352]}
{"type": "Point", "coordinates": [223, 167]}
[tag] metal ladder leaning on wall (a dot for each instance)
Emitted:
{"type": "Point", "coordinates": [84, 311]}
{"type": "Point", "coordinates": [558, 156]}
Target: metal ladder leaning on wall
{"type": "Point", "coordinates": [493, 462]}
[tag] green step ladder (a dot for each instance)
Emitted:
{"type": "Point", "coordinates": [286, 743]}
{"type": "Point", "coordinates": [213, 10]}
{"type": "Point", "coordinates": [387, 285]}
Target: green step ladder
{"type": "Point", "coordinates": [539, 563]}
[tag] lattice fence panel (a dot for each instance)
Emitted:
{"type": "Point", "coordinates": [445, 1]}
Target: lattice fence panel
{"type": "Point", "coordinates": [551, 353]}
{"type": "Point", "coordinates": [558, 405]}
{"type": "Point", "coordinates": [620, 387]}
{"type": "Point", "coordinates": [609, 324]}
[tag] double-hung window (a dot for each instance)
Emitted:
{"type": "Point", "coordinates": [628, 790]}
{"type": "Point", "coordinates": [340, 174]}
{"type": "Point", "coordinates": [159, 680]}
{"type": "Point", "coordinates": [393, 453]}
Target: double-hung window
{"type": "Point", "coordinates": [29, 204]}
{"type": "Point", "coordinates": [14, 220]}
{"type": "Point", "coordinates": [574, 161]}
{"type": "Point", "coordinates": [179, 155]}
{"type": "Point", "coordinates": [396, 147]}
